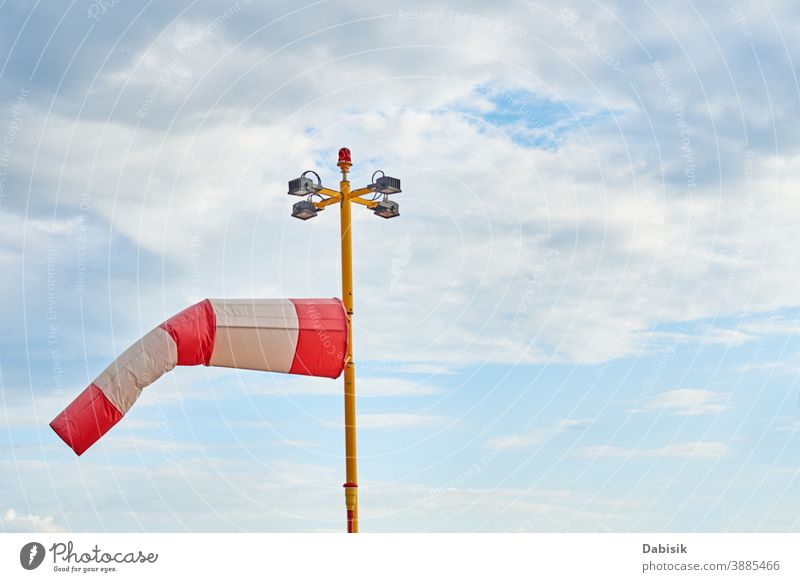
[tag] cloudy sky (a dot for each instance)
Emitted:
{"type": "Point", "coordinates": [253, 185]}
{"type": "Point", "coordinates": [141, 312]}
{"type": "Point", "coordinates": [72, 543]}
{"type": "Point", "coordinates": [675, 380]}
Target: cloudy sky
{"type": "Point", "coordinates": [586, 318]}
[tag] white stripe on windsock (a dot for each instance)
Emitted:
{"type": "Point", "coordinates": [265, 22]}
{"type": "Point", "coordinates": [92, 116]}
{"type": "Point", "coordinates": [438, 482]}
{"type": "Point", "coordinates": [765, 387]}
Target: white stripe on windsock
{"type": "Point", "coordinates": [139, 366]}
{"type": "Point", "coordinates": [255, 334]}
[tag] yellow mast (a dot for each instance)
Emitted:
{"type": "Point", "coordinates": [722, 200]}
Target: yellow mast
{"type": "Point", "coordinates": [351, 486]}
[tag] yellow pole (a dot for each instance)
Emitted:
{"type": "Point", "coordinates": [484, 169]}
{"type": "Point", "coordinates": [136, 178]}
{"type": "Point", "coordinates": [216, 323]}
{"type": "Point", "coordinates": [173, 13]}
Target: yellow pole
{"type": "Point", "coordinates": [351, 486]}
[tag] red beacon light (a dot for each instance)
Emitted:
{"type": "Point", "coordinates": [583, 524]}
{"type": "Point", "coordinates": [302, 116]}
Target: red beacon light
{"type": "Point", "coordinates": [344, 156]}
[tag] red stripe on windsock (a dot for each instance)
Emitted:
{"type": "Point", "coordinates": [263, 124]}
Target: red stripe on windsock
{"type": "Point", "coordinates": [322, 337]}
{"type": "Point", "coordinates": [86, 419]}
{"type": "Point", "coordinates": [193, 330]}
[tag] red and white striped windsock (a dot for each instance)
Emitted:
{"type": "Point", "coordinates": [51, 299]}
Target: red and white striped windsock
{"type": "Point", "coordinates": [294, 336]}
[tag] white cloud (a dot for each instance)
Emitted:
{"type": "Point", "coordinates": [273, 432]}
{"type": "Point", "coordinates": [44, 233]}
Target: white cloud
{"type": "Point", "coordinates": [793, 427]}
{"type": "Point", "coordinates": [392, 420]}
{"type": "Point", "coordinates": [283, 385]}
{"type": "Point", "coordinates": [26, 411]}
{"type": "Point", "coordinates": [293, 443]}
{"type": "Point", "coordinates": [688, 450]}
{"type": "Point", "coordinates": [13, 522]}
{"type": "Point", "coordinates": [726, 337]}
{"type": "Point", "coordinates": [632, 249]}
{"type": "Point", "coordinates": [686, 402]}
{"type": "Point", "coordinates": [772, 326]}
{"type": "Point", "coordinates": [213, 494]}
{"type": "Point", "coordinates": [758, 366]}
{"type": "Point", "coordinates": [535, 437]}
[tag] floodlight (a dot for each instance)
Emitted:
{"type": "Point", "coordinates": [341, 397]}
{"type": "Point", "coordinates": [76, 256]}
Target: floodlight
{"type": "Point", "coordinates": [387, 209]}
{"type": "Point", "coordinates": [385, 184]}
{"type": "Point", "coordinates": [304, 210]}
{"type": "Point", "coordinates": [303, 186]}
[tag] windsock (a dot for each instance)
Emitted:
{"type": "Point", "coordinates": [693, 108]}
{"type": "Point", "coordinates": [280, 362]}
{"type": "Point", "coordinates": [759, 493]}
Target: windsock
{"type": "Point", "coordinates": [294, 336]}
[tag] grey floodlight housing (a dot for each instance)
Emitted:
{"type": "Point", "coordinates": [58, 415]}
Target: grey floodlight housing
{"type": "Point", "coordinates": [385, 184]}
{"type": "Point", "coordinates": [387, 209]}
{"type": "Point", "coordinates": [303, 186]}
{"type": "Point", "coordinates": [304, 210]}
